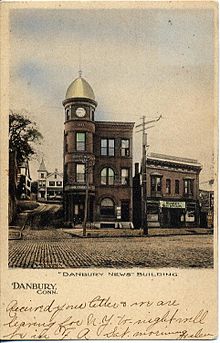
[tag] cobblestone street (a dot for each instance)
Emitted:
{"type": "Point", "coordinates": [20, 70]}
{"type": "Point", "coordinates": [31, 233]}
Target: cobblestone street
{"type": "Point", "coordinates": [58, 249]}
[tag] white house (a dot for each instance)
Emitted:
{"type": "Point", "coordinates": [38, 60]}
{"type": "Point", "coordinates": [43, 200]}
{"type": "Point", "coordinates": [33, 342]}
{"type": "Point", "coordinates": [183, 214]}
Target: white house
{"type": "Point", "coordinates": [50, 185]}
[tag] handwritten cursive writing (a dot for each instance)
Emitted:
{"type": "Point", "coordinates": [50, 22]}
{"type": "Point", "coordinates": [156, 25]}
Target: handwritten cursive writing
{"type": "Point", "coordinates": [104, 318]}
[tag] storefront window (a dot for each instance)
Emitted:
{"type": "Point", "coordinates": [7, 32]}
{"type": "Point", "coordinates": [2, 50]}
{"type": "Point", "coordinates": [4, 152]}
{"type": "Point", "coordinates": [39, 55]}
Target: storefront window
{"type": "Point", "coordinates": [190, 216]}
{"type": "Point", "coordinates": [107, 207]}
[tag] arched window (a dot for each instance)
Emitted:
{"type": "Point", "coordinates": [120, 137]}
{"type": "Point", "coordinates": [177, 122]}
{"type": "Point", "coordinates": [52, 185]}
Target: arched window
{"type": "Point", "coordinates": [107, 176]}
{"type": "Point", "coordinates": [107, 207]}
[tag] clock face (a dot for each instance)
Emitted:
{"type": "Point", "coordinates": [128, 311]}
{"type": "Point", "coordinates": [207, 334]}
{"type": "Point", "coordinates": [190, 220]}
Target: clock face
{"type": "Point", "coordinates": [80, 112]}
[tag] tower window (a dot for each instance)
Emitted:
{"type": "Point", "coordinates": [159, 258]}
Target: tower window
{"type": "Point", "coordinates": [107, 147]}
{"type": "Point", "coordinates": [107, 176]}
{"type": "Point", "coordinates": [80, 173]}
{"type": "Point", "coordinates": [125, 148]}
{"type": "Point", "coordinates": [80, 141]}
{"type": "Point", "coordinates": [68, 113]}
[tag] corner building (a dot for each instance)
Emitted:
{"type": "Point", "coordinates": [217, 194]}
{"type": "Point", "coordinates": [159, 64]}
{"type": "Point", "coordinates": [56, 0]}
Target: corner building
{"type": "Point", "coordinates": [172, 191]}
{"type": "Point", "coordinates": [97, 156]}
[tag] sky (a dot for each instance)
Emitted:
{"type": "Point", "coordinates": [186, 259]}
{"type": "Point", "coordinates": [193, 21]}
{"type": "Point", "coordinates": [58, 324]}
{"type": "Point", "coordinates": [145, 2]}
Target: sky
{"type": "Point", "coordinates": [138, 61]}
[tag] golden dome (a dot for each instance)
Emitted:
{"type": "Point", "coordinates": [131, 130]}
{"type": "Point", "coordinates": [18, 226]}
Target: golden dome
{"type": "Point", "coordinates": [80, 88]}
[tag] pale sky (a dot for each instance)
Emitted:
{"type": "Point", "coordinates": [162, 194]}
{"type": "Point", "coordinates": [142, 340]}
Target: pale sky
{"type": "Point", "coordinates": [138, 62]}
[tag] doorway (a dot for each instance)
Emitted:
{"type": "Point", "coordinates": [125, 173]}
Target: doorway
{"type": "Point", "coordinates": [172, 217]}
{"type": "Point", "coordinates": [125, 210]}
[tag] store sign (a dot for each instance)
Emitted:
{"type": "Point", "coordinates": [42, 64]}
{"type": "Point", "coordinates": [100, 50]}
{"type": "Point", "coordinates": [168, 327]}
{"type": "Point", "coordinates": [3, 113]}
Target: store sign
{"type": "Point", "coordinates": [78, 187]}
{"type": "Point", "coordinates": [173, 204]}
{"type": "Point", "coordinates": [118, 212]}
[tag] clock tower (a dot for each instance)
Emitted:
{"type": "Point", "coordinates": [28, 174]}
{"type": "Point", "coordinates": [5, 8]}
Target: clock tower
{"type": "Point", "coordinates": [79, 158]}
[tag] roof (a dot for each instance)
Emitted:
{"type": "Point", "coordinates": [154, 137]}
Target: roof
{"type": "Point", "coordinates": [53, 173]}
{"type": "Point", "coordinates": [80, 88]}
{"type": "Point", "coordinates": [114, 123]}
{"type": "Point", "coordinates": [174, 159]}
{"type": "Point", "coordinates": [42, 166]}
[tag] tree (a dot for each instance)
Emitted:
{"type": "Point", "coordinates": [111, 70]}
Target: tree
{"type": "Point", "coordinates": [23, 136]}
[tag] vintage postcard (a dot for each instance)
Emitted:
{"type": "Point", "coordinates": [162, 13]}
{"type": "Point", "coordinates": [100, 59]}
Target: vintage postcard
{"type": "Point", "coordinates": [109, 133]}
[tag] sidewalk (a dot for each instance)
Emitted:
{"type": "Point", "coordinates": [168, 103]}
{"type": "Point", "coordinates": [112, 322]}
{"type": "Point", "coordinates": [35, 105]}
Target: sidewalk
{"type": "Point", "coordinates": [137, 233]}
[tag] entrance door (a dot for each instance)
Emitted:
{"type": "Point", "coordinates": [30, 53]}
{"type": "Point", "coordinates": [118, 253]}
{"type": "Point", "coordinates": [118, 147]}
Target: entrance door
{"type": "Point", "coordinates": [78, 212]}
{"type": "Point", "coordinates": [125, 211]}
{"type": "Point", "coordinates": [172, 217]}
{"type": "Point", "coordinates": [175, 215]}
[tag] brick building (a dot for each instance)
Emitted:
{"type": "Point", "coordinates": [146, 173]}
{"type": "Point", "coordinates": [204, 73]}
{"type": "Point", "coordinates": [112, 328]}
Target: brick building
{"type": "Point", "coordinates": [172, 191]}
{"type": "Point", "coordinates": [97, 156]}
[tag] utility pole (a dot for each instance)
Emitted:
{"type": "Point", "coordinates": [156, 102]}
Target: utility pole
{"type": "Point", "coordinates": [144, 129]}
{"type": "Point", "coordinates": [89, 162]}
{"type": "Point", "coordinates": [144, 184]}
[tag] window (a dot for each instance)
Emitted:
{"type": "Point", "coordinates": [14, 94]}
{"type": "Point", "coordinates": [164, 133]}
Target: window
{"type": "Point", "coordinates": [42, 175]}
{"type": "Point", "coordinates": [67, 113]}
{"type": "Point", "coordinates": [42, 183]}
{"type": "Point", "coordinates": [80, 141]}
{"type": "Point", "coordinates": [125, 147]}
{"type": "Point", "coordinates": [66, 147]}
{"type": "Point", "coordinates": [188, 187]}
{"type": "Point", "coordinates": [177, 186]}
{"type": "Point", "coordinates": [156, 183]}
{"type": "Point", "coordinates": [168, 186]}
{"type": "Point", "coordinates": [107, 147]}
{"type": "Point", "coordinates": [107, 176]}
{"type": "Point", "coordinates": [80, 173]}
{"type": "Point", "coordinates": [124, 176]}
{"type": "Point", "coordinates": [92, 114]}
{"type": "Point", "coordinates": [52, 183]}
{"type": "Point", "coordinates": [76, 209]}
{"type": "Point", "coordinates": [65, 142]}
{"type": "Point", "coordinates": [59, 183]}
{"type": "Point", "coordinates": [55, 176]}
{"type": "Point", "coordinates": [107, 207]}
